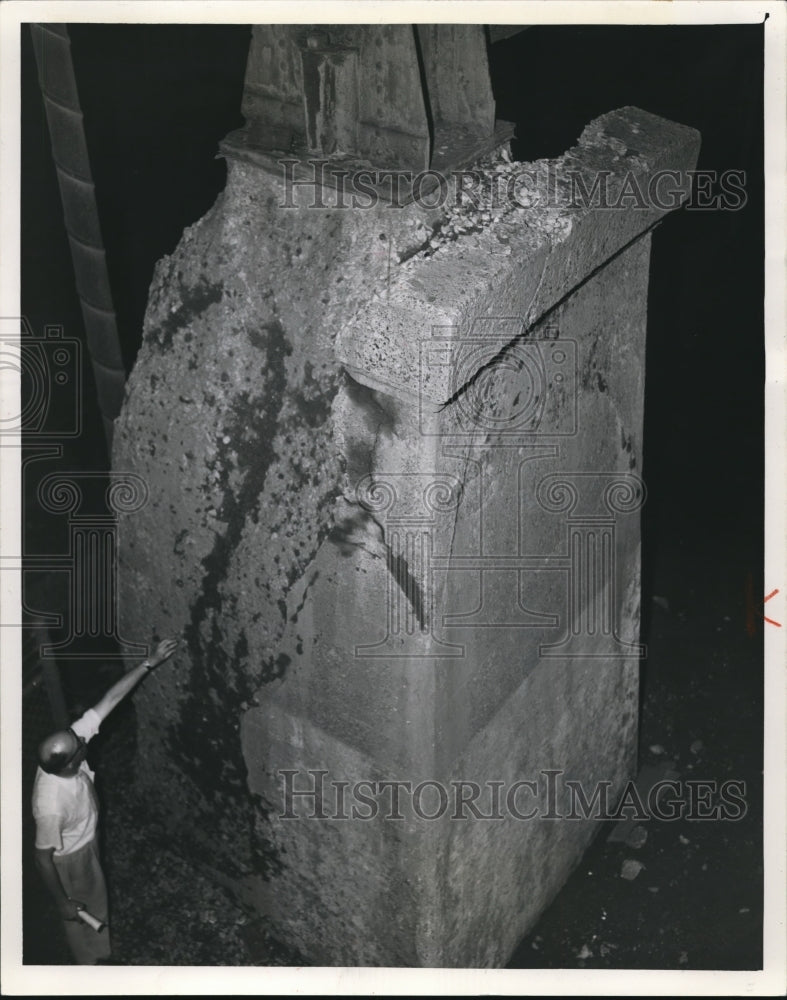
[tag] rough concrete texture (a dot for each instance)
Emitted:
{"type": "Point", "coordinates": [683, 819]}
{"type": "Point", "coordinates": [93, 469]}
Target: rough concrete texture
{"type": "Point", "coordinates": [375, 588]}
{"type": "Point", "coordinates": [556, 241]}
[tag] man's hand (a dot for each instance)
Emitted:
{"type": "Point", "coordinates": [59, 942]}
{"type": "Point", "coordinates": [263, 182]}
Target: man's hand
{"type": "Point", "coordinates": [164, 650]}
{"type": "Point", "coordinates": [129, 681]}
{"type": "Point", "coordinates": [69, 908]}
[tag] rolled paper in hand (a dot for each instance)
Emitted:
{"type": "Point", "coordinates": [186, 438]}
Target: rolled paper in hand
{"type": "Point", "coordinates": [90, 920]}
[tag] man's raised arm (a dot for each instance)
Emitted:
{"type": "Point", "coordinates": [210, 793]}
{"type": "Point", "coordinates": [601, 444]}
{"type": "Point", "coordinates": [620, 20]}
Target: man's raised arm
{"type": "Point", "coordinates": [129, 681]}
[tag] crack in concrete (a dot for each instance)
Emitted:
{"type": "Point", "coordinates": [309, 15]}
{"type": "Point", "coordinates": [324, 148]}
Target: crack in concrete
{"type": "Point", "coordinates": [315, 575]}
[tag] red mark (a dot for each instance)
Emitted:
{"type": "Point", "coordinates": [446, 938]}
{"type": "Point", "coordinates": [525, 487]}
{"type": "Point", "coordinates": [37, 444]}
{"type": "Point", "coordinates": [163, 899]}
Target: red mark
{"type": "Point", "coordinates": [770, 620]}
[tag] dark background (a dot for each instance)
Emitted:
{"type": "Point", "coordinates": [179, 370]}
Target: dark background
{"type": "Point", "coordinates": [157, 100]}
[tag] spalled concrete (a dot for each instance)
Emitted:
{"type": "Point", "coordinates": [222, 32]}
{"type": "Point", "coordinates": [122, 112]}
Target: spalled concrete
{"type": "Point", "coordinates": [392, 456]}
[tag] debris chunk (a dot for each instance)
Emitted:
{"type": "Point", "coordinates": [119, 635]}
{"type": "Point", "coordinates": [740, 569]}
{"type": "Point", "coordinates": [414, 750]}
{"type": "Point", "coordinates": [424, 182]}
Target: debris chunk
{"type": "Point", "coordinates": [637, 837]}
{"type": "Point", "coordinates": [631, 868]}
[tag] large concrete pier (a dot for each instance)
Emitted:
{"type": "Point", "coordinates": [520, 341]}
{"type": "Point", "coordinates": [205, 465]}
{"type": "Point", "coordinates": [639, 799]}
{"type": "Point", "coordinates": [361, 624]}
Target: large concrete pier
{"type": "Point", "coordinates": [394, 458]}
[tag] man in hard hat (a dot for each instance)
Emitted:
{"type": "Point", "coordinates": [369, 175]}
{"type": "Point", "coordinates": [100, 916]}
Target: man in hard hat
{"type": "Point", "coordinates": [65, 808]}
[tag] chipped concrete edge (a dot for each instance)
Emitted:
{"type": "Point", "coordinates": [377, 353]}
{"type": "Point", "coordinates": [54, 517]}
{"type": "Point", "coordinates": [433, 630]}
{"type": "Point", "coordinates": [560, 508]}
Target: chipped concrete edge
{"type": "Point", "coordinates": [554, 248]}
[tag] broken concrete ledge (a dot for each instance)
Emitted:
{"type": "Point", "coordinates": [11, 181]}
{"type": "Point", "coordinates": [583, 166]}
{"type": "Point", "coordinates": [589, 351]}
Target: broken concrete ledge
{"type": "Point", "coordinates": [530, 258]}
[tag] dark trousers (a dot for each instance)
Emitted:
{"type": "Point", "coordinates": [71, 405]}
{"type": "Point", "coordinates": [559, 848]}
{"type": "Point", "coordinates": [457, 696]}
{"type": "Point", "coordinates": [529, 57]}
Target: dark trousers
{"type": "Point", "coordinates": [83, 880]}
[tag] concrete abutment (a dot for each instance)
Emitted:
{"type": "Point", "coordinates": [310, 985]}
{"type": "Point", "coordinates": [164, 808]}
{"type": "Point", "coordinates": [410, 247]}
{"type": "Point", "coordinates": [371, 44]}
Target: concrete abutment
{"type": "Point", "coordinates": [394, 464]}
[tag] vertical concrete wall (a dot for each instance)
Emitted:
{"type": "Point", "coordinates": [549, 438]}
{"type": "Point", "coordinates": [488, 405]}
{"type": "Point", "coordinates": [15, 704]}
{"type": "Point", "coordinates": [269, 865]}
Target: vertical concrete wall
{"type": "Point", "coordinates": [394, 511]}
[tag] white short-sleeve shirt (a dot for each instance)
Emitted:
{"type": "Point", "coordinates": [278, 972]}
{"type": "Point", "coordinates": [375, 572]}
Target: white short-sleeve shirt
{"type": "Point", "coordinates": [66, 809]}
